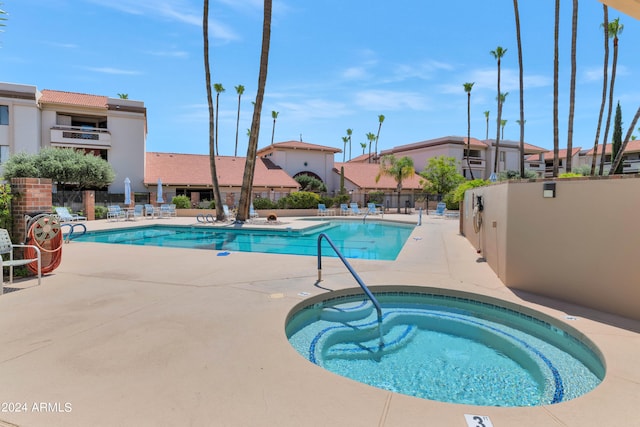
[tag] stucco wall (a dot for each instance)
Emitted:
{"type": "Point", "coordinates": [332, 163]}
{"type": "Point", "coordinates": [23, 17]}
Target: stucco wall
{"type": "Point", "coordinates": [581, 246]}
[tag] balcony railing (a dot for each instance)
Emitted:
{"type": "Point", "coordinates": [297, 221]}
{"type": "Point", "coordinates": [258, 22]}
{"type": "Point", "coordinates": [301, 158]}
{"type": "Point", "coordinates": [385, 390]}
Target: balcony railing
{"type": "Point", "coordinates": [475, 162]}
{"type": "Point", "coordinates": [80, 135]}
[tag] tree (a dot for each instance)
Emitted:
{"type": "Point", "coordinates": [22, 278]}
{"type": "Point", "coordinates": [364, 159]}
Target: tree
{"type": "Point", "coordinates": [503, 123]}
{"type": "Point", "coordinates": [349, 133]}
{"type": "Point", "coordinates": [123, 95]}
{"type": "Point", "coordinates": [364, 147]}
{"type": "Point", "coordinates": [371, 137]}
{"type": "Point", "coordinates": [521, 81]}
{"type": "Point", "coordinates": [250, 165]}
{"type": "Point", "coordinates": [618, 160]}
{"type": "Point", "coordinates": [398, 169]}
{"type": "Point", "coordinates": [2, 17]}
{"type": "Point", "coordinates": [441, 175]}
{"type": "Point", "coordinates": [498, 54]}
{"type": "Point", "coordinates": [345, 139]}
{"type": "Point", "coordinates": [615, 28]}
{"type": "Point", "coordinates": [467, 89]}
{"type": "Point", "coordinates": [212, 154]}
{"type": "Point", "coordinates": [219, 89]}
{"type": "Point", "coordinates": [239, 91]}
{"type": "Point", "coordinates": [486, 116]}
{"type": "Point", "coordinates": [274, 116]}
{"type": "Point", "coordinates": [380, 120]}
{"type": "Point", "coordinates": [572, 89]}
{"type": "Point", "coordinates": [605, 25]}
{"type": "Point", "coordinates": [556, 38]}
{"type": "Point", "coordinates": [616, 140]}
{"type": "Point", "coordinates": [311, 184]}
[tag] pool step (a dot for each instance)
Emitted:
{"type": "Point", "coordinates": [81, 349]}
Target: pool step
{"type": "Point", "coordinates": [370, 344]}
{"type": "Point", "coordinates": [348, 312]}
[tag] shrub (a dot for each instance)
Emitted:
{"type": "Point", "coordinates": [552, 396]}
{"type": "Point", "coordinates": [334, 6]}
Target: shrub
{"type": "Point", "coordinates": [299, 200]}
{"type": "Point", "coordinates": [584, 170]}
{"type": "Point", "coordinates": [100, 212]}
{"type": "Point", "coordinates": [263, 203]}
{"type": "Point", "coordinates": [511, 174]}
{"type": "Point", "coordinates": [376, 197]}
{"type": "Point", "coordinates": [309, 183]}
{"type": "Point", "coordinates": [181, 202]}
{"type": "Point", "coordinates": [570, 175]}
{"type": "Point", "coordinates": [458, 193]}
{"type": "Point", "coordinates": [5, 206]}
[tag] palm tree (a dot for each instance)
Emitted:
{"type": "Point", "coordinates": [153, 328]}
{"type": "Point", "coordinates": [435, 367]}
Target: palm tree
{"type": "Point", "coordinates": [398, 169]}
{"type": "Point", "coordinates": [2, 18]}
{"type": "Point", "coordinates": [274, 116]}
{"type": "Point", "coordinates": [123, 95]}
{"type": "Point", "coordinates": [250, 163]}
{"type": "Point", "coordinates": [349, 133]}
{"type": "Point", "coordinates": [467, 88]}
{"type": "Point", "coordinates": [219, 89]}
{"type": "Point", "coordinates": [498, 54]}
{"type": "Point", "coordinates": [556, 147]}
{"type": "Point", "coordinates": [212, 155]}
{"type": "Point", "coordinates": [503, 123]}
{"type": "Point", "coordinates": [380, 120]}
{"type": "Point", "coordinates": [605, 25]}
{"type": "Point", "coordinates": [486, 116]}
{"type": "Point", "coordinates": [615, 28]}
{"type": "Point", "coordinates": [364, 147]}
{"type": "Point", "coordinates": [239, 91]}
{"type": "Point", "coordinates": [617, 161]}
{"type": "Point", "coordinates": [345, 139]}
{"type": "Point", "coordinates": [371, 137]}
{"type": "Point", "coordinates": [572, 90]}
{"type": "Point", "coordinates": [521, 80]}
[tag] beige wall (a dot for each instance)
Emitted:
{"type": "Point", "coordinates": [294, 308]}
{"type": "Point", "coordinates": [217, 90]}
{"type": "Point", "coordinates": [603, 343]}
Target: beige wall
{"type": "Point", "coordinates": [581, 246]}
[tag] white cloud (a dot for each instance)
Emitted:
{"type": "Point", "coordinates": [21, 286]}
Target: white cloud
{"type": "Point", "coordinates": [312, 109]}
{"type": "Point", "coordinates": [387, 100]}
{"type": "Point", "coordinates": [110, 70]}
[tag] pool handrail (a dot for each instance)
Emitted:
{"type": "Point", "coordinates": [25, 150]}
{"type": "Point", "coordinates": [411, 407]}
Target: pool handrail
{"type": "Point", "coordinates": [72, 227]}
{"type": "Point", "coordinates": [351, 270]}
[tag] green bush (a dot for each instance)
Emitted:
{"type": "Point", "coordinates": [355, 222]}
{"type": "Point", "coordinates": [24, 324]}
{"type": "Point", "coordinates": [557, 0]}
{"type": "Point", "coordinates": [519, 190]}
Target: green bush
{"type": "Point", "coordinates": [570, 175]}
{"type": "Point", "coordinates": [299, 200]}
{"type": "Point", "coordinates": [449, 200]}
{"type": "Point", "coordinates": [511, 174]}
{"type": "Point", "coordinates": [5, 206]}
{"type": "Point", "coordinates": [181, 202]}
{"type": "Point", "coordinates": [458, 193]}
{"type": "Point", "coordinates": [100, 212]}
{"type": "Point", "coordinates": [376, 197]}
{"type": "Point", "coordinates": [263, 203]}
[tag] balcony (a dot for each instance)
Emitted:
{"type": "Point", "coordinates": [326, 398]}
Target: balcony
{"type": "Point", "coordinates": [474, 162]}
{"type": "Point", "coordinates": [80, 136]}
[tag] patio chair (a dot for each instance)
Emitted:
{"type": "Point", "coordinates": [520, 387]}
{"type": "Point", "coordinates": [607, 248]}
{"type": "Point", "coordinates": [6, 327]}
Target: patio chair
{"type": "Point", "coordinates": [165, 211]}
{"type": "Point", "coordinates": [372, 209]}
{"type": "Point", "coordinates": [150, 211]}
{"type": "Point", "coordinates": [114, 213]}
{"type": "Point", "coordinates": [344, 209]}
{"type": "Point", "coordinates": [137, 212]}
{"type": "Point", "coordinates": [7, 247]}
{"type": "Point", "coordinates": [66, 216]}
{"type": "Point", "coordinates": [355, 210]}
{"type": "Point", "coordinates": [440, 208]}
{"type": "Point", "coordinates": [323, 211]}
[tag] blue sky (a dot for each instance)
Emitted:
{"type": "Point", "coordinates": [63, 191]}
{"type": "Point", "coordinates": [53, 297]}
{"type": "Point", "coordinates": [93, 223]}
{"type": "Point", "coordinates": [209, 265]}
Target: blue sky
{"type": "Point", "coordinates": [333, 65]}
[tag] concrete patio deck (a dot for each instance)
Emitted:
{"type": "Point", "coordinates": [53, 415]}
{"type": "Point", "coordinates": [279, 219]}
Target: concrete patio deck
{"type": "Point", "coordinates": [149, 336]}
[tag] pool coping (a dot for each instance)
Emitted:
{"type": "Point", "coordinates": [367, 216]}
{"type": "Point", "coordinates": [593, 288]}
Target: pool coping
{"type": "Point", "coordinates": [158, 336]}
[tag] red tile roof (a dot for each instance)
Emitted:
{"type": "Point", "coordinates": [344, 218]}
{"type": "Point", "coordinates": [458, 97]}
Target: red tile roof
{"type": "Point", "coordinates": [363, 158]}
{"type": "Point", "coordinates": [548, 155]}
{"type": "Point", "coordinates": [632, 147]}
{"type": "Point", "coordinates": [457, 140]}
{"type": "Point", "coordinates": [72, 98]}
{"type": "Point", "coordinates": [364, 176]}
{"type": "Point", "coordinates": [297, 145]}
{"type": "Point", "coordinates": [195, 170]}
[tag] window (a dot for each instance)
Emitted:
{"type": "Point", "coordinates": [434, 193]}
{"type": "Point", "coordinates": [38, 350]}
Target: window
{"type": "Point", "coordinates": [502, 156]}
{"type": "Point", "coordinates": [4, 115]}
{"type": "Point", "coordinates": [4, 153]}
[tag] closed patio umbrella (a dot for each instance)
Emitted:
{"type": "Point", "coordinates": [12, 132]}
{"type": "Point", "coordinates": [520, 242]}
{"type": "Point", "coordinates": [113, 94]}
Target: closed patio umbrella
{"type": "Point", "coordinates": [159, 198]}
{"type": "Point", "coordinates": [127, 191]}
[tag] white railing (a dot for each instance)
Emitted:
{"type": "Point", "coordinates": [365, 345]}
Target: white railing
{"type": "Point", "coordinates": [80, 135]}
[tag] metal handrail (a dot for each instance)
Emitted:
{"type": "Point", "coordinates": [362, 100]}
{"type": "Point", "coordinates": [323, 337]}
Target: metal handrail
{"type": "Point", "coordinates": [351, 270]}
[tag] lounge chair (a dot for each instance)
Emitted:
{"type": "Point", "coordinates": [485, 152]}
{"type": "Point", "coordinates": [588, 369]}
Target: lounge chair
{"type": "Point", "coordinates": [150, 211]}
{"type": "Point", "coordinates": [66, 216]}
{"type": "Point", "coordinates": [137, 212]}
{"type": "Point", "coordinates": [344, 209]}
{"type": "Point", "coordinates": [440, 209]}
{"type": "Point", "coordinates": [355, 210]}
{"type": "Point", "coordinates": [227, 213]}
{"type": "Point", "coordinates": [114, 213]}
{"type": "Point", "coordinates": [323, 211]}
{"type": "Point", "coordinates": [6, 247]}
{"type": "Point", "coordinates": [373, 210]}
{"type": "Point", "coordinates": [166, 211]}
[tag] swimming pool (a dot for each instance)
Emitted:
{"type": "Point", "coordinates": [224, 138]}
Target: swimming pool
{"type": "Point", "coordinates": [371, 240]}
{"type": "Point", "coordinates": [447, 346]}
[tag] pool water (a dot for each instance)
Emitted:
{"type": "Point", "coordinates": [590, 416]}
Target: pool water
{"type": "Point", "coordinates": [355, 239]}
{"type": "Point", "coordinates": [447, 348]}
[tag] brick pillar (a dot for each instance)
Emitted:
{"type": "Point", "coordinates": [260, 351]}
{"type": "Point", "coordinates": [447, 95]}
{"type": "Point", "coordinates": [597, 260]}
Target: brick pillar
{"type": "Point", "coordinates": [29, 196]}
{"type": "Point", "coordinates": [90, 205]}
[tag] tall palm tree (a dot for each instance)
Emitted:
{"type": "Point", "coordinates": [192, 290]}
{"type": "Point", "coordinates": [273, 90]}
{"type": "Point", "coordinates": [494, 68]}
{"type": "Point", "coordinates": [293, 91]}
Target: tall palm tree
{"type": "Point", "coordinates": [123, 95]}
{"type": "Point", "coordinates": [486, 116]}
{"type": "Point", "coordinates": [364, 147]}
{"type": "Point", "coordinates": [556, 146]}
{"type": "Point", "coordinates": [239, 91]}
{"type": "Point", "coordinates": [398, 169]}
{"type": "Point", "coordinates": [371, 137]}
{"type": "Point", "coordinates": [467, 89]}
{"type": "Point", "coordinates": [615, 28]}
{"type": "Point", "coordinates": [498, 54]}
{"type": "Point", "coordinates": [572, 90]}
{"type": "Point", "coordinates": [503, 123]}
{"type": "Point", "coordinates": [349, 133]}
{"type": "Point", "coordinates": [521, 122]}
{"type": "Point", "coordinates": [274, 116]}
{"type": "Point", "coordinates": [212, 155]}
{"type": "Point", "coordinates": [380, 120]}
{"type": "Point", "coordinates": [2, 16]}
{"type": "Point", "coordinates": [250, 164]}
{"type": "Point", "coordinates": [605, 79]}
{"type": "Point", "coordinates": [616, 162]}
{"type": "Point", "coordinates": [219, 89]}
{"type": "Point", "coordinates": [345, 139]}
